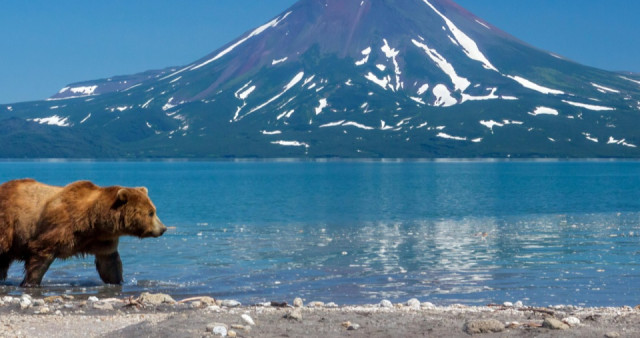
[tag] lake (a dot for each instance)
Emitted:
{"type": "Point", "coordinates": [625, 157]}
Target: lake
{"type": "Point", "coordinates": [353, 232]}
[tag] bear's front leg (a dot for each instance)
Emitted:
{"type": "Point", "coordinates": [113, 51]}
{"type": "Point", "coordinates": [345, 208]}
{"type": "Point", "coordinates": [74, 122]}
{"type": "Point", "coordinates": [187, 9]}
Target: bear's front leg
{"type": "Point", "coordinates": [35, 267]}
{"type": "Point", "coordinates": [109, 267]}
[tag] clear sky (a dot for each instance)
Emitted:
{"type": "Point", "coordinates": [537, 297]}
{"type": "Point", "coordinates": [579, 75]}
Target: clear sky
{"type": "Point", "coordinates": [45, 45]}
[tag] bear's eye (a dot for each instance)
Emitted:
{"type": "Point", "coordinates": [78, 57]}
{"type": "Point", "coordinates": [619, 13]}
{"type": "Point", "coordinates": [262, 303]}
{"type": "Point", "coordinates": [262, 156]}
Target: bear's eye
{"type": "Point", "coordinates": [151, 213]}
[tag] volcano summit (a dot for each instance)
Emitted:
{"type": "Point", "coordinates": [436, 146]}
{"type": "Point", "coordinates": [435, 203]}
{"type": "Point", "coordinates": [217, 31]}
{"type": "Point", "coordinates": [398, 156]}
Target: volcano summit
{"type": "Point", "coordinates": [345, 78]}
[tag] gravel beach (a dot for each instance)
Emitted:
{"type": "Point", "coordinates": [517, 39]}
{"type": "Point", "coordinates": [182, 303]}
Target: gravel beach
{"type": "Point", "coordinates": [159, 315]}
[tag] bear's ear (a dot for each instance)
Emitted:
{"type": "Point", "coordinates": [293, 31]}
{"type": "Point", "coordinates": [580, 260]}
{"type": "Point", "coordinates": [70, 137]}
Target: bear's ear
{"type": "Point", "coordinates": [123, 196]}
{"type": "Point", "coordinates": [144, 190]}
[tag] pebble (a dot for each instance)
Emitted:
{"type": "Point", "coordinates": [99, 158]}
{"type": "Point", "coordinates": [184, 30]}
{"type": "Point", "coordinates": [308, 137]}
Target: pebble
{"type": "Point", "coordinates": [53, 299]}
{"type": "Point", "coordinates": [155, 298]}
{"type": "Point", "coordinates": [25, 302]}
{"type": "Point", "coordinates": [43, 310]}
{"type": "Point", "coordinates": [38, 302]}
{"type": "Point", "coordinates": [212, 326]}
{"type": "Point", "coordinates": [386, 304]}
{"type": "Point", "coordinates": [238, 327]}
{"type": "Point", "coordinates": [213, 308]}
{"type": "Point", "coordinates": [68, 306]}
{"type": "Point", "coordinates": [331, 304]}
{"type": "Point", "coordinates": [612, 334]}
{"type": "Point", "coordinates": [247, 319]}
{"type": "Point", "coordinates": [413, 303]}
{"type": "Point", "coordinates": [232, 333]}
{"type": "Point", "coordinates": [508, 304]}
{"type": "Point", "coordinates": [7, 299]}
{"type": "Point", "coordinates": [298, 302]}
{"type": "Point", "coordinates": [353, 327]}
{"type": "Point", "coordinates": [93, 299]}
{"type": "Point", "coordinates": [554, 324]}
{"type": "Point", "coordinates": [428, 306]}
{"type": "Point", "coordinates": [230, 303]}
{"type": "Point", "coordinates": [316, 304]}
{"type": "Point", "coordinates": [195, 304]}
{"type": "Point", "coordinates": [519, 304]}
{"type": "Point", "coordinates": [571, 321]}
{"type": "Point", "coordinates": [483, 326]}
{"type": "Point", "coordinates": [295, 314]}
{"type": "Point", "coordinates": [102, 306]}
{"type": "Point", "coordinates": [218, 329]}
{"type": "Point", "coordinates": [208, 301]}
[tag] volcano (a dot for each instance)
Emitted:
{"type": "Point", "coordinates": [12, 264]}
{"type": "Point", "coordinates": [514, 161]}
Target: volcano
{"type": "Point", "coordinates": [346, 79]}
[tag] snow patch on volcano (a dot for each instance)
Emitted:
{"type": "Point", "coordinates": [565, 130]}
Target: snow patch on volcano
{"type": "Point", "coordinates": [533, 86]}
{"type": "Point", "coordinates": [443, 96]}
{"type": "Point", "coordinates": [469, 47]}
{"type": "Point", "coordinates": [459, 82]}
{"type": "Point", "coordinates": [257, 31]}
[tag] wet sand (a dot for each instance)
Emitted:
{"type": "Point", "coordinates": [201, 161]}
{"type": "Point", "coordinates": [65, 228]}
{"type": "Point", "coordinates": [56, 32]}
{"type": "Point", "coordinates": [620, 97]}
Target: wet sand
{"type": "Point", "coordinates": [159, 316]}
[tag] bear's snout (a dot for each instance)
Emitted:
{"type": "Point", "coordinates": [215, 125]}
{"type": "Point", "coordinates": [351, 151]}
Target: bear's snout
{"type": "Point", "coordinates": [158, 228]}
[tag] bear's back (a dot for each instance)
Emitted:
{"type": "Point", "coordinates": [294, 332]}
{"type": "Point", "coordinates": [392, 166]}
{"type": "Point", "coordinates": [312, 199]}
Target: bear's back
{"type": "Point", "coordinates": [21, 203]}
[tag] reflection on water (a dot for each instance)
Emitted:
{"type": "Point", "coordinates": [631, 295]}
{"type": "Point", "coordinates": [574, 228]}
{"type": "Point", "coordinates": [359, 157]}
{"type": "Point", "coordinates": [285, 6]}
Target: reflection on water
{"type": "Point", "coordinates": [539, 259]}
{"type": "Point", "coordinates": [474, 233]}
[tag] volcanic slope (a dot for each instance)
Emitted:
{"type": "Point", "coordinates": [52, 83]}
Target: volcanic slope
{"type": "Point", "coordinates": [345, 78]}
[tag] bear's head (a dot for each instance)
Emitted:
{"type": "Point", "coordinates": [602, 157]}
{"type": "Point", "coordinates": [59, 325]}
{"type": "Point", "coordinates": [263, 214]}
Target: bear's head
{"type": "Point", "coordinates": [138, 213]}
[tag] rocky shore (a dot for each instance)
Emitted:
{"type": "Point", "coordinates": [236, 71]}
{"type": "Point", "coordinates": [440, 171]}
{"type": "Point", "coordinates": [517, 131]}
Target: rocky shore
{"type": "Point", "coordinates": [159, 315]}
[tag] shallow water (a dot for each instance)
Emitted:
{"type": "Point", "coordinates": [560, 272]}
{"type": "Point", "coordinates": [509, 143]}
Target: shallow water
{"type": "Point", "coordinates": [472, 232]}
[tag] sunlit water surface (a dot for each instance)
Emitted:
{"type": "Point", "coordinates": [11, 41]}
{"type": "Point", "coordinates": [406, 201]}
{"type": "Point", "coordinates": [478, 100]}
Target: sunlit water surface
{"type": "Point", "coordinates": [472, 232]}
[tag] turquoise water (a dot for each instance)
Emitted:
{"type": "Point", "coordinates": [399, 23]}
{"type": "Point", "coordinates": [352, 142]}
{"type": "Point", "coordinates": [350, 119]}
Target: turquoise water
{"type": "Point", "coordinates": [472, 232]}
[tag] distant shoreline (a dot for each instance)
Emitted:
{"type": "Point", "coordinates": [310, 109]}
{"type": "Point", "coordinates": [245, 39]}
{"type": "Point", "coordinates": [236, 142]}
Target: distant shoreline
{"type": "Point", "coordinates": [324, 160]}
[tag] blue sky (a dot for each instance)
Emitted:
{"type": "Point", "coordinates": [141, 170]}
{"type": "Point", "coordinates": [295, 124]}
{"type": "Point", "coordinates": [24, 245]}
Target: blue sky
{"type": "Point", "coordinates": [45, 44]}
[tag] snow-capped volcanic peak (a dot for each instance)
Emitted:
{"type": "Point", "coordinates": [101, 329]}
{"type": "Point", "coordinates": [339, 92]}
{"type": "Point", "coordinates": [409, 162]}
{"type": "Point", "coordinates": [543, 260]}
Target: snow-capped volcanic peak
{"type": "Point", "coordinates": [353, 78]}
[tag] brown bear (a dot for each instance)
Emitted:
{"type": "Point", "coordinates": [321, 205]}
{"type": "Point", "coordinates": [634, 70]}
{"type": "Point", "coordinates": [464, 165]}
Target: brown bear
{"type": "Point", "coordinates": [39, 223]}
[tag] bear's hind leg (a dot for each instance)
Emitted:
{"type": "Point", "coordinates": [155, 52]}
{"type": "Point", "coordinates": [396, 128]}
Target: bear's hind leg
{"type": "Point", "coordinates": [35, 267]}
{"type": "Point", "coordinates": [5, 263]}
{"type": "Point", "coordinates": [110, 268]}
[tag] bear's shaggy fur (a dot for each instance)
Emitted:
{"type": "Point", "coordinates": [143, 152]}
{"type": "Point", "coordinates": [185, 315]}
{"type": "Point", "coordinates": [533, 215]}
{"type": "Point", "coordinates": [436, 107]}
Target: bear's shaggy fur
{"type": "Point", "coordinates": [39, 223]}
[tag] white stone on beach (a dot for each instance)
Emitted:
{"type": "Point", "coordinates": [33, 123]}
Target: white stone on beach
{"type": "Point", "coordinates": [386, 303]}
{"type": "Point", "coordinates": [295, 314]}
{"type": "Point", "coordinates": [247, 319]}
{"type": "Point", "coordinates": [231, 303]}
{"type": "Point", "coordinates": [572, 321]}
{"type": "Point", "coordinates": [427, 305]}
{"type": "Point", "coordinates": [413, 303]}
{"type": "Point", "coordinates": [316, 304]}
{"type": "Point", "coordinates": [298, 302]}
{"type": "Point", "coordinates": [213, 308]}
{"type": "Point", "coordinates": [93, 299]}
{"type": "Point", "coordinates": [7, 299]}
{"type": "Point", "coordinates": [508, 304]}
{"type": "Point", "coordinates": [353, 327]}
{"type": "Point", "coordinates": [218, 329]}
{"type": "Point", "coordinates": [103, 306]}
{"type": "Point", "coordinates": [519, 304]}
{"type": "Point", "coordinates": [25, 302]}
